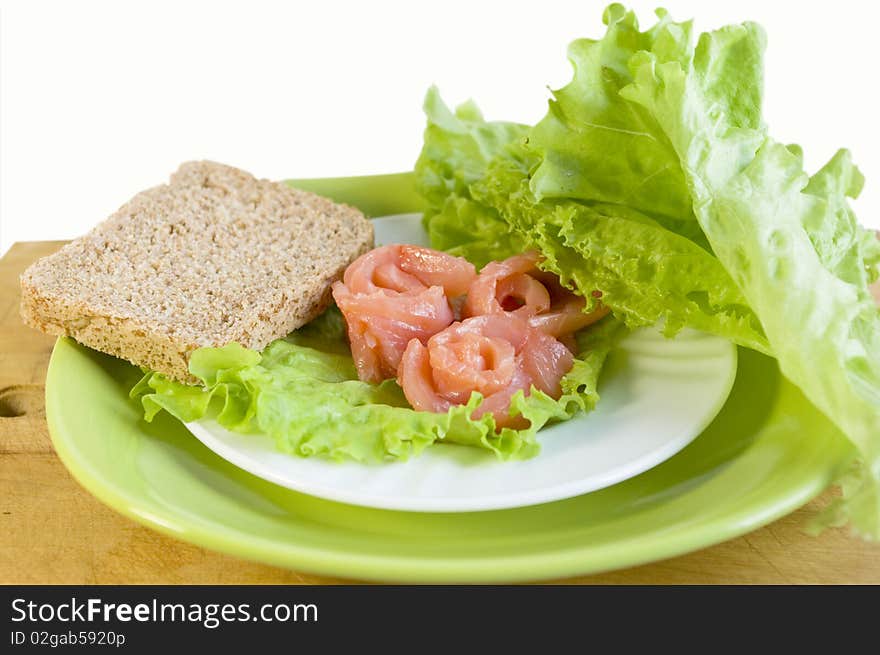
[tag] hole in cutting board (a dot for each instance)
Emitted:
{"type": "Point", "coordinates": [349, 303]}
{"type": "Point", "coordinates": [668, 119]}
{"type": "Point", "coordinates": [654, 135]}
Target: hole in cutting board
{"type": "Point", "coordinates": [20, 400]}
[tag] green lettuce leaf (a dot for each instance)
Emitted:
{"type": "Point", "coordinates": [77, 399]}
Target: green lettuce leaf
{"type": "Point", "coordinates": [647, 270]}
{"type": "Point", "coordinates": [303, 391]}
{"type": "Point", "coordinates": [472, 230]}
{"type": "Point", "coordinates": [458, 147]}
{"type": "Point", "coordinates": [646, 273]}
{"type": "Point", "coordinates": [596, 146]}
{"type": "Point", "coordinates": [791, 242]}
{"type": "Point", "coordinates": [848, 250]}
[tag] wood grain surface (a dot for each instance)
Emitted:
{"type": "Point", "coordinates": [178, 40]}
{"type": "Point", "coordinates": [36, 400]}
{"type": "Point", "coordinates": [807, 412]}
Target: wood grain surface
{"type": "Point", "coordinates": [53, 532]}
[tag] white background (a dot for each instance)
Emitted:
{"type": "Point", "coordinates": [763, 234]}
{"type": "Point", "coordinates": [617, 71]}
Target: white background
{"type": "Point", "coordinates": [103, 99]}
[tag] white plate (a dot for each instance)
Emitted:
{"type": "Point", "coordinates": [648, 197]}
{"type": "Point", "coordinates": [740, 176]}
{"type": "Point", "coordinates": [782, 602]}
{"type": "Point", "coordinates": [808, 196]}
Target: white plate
{"type": "Point", "coordinates": [657, 394]}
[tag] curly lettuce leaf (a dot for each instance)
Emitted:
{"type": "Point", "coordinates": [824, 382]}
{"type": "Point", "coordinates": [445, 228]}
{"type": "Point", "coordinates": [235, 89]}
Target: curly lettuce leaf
{"type": "Point", "coordinates": [645, 272]}
{"type": "Point", "coordinates": [791, 242]}
{"type": "Point", "coordinates": [472, 230]}
{"type": "Point", "coordinates": [458, 147]}
{"type": "Point", "coordinates": [847, 249]}
{"type": "Point", "coordinates": [595, 146]}
{"type": "Point", "coordinates": [303, 391]}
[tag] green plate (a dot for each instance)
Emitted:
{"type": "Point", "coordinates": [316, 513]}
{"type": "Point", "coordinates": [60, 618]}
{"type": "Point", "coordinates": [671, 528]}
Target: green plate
{"type": "Point", "coordinates": [768, 452]}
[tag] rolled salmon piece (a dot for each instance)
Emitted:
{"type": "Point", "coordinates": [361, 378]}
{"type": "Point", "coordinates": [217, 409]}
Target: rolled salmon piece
{"type": "Point", "coordinates": [516, 286]}
{"type": "Point", "coordinates": [495, 355]}
{"type": "Point", "coordinates": [394, 294]}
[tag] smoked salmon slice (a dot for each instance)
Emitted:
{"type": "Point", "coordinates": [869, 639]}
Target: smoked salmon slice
{"type": "Point", "coordinates": [516, 286]}
{"type": "Point", "coordinates": [494, 354]}
{"type": "Point", "coordinates": [394, 294]}
{"type": "Point", "coordinates": [401, 268]}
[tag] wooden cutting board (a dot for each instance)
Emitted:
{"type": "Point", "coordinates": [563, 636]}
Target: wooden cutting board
{"type": "Point", "coordinates": [53, 532]}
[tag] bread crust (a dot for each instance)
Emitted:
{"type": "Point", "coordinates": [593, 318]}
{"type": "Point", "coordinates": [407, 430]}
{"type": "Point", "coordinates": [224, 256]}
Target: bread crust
{"type": "Point", "coordinates": [213, 257]}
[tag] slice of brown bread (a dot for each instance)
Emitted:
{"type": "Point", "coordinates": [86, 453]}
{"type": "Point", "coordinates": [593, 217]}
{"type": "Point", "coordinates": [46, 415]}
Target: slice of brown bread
{"type": "Point", "coordinates": [213, 257]}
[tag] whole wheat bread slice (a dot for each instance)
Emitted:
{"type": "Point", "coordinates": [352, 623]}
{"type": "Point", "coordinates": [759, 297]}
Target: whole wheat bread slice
{"type": "Point", "coordinates": [213, 257]}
